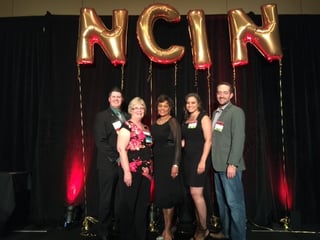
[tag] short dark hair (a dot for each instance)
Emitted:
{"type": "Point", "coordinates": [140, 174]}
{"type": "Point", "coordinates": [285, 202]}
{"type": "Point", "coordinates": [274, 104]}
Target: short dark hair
{"type": "Point", "coordinates": [164, 98]}
{"type": "Point", "coordinates": [115, 89]}
{"type": "Point", "coordinates": [227, 84]}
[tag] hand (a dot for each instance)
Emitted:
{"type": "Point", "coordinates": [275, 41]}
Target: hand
{"type": "Point", "coordinates": [201, 167]}
{"type": "Point", "coordinates": [146, 173]}
{"type": "Point", "coordinates": [127, 178]}
{"type": "Point", "coordinates": [231, 171]}
{"type": "Point", "coordinates": [174, 171]}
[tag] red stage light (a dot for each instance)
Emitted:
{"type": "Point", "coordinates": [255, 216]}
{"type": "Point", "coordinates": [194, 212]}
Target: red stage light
{"type": "Point", "coordinates": [74, 180]}
{"type": "Point", "coordinates": [285, 193]}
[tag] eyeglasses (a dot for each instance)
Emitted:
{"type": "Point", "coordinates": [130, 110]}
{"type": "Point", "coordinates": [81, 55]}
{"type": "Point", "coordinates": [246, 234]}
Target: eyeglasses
{"type": "Point", "coordinates": [138, 108]}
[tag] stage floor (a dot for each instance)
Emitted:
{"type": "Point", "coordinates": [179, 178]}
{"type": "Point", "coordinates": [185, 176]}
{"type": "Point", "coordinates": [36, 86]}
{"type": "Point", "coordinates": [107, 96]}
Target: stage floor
{"type": "Point", "coordinates": [74, 233]}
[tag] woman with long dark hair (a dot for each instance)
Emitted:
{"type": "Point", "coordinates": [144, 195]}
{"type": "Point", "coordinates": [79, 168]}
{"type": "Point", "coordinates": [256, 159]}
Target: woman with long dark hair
{"type": "Point", "coordinates": [196, 142]}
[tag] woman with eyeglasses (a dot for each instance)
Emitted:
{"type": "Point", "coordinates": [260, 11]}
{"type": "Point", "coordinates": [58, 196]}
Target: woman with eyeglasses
{"type": "Point", "coordinates": [134, 146]}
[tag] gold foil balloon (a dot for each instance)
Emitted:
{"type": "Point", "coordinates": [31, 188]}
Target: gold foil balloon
{"type": "Point", "coordinates": [199, 40]}
{"type": "Point", "coordinates": [145, 35]}
{"type": "Point", "coordinates": [266, 38]}
{"type": "Point", "coordinates": [92, 30]}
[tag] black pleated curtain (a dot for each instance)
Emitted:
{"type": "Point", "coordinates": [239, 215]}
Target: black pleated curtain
{"type": "Point", "coordinates": [40, 107]}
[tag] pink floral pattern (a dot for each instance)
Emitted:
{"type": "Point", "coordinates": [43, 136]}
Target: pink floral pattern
{"type": "Point", "coordinates": [137, 138]}
{"type": "Point", "coordinates": [139, 152]}
{"type": "Point", "coordinates": [144, 166]}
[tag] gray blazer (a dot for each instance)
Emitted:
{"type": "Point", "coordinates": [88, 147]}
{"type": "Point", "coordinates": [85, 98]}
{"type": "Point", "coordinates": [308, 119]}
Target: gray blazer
{"type": "Point", "coordinates": [228, 139]}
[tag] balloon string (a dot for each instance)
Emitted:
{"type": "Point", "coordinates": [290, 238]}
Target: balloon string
{"type": "Point", "coordinates": [196, 80]}
{"type": "Point", "coordinates": [122, 77]}
{"type": "Point", "coordinates": [149, 80]}
{"type": "Point", "coordinates": [282, 137]}
{"type": "Point", "coordinates": [175, 88]}
{"type": "Point", "coordinates": [234, 84]}
{"type": "Point", "coordinates": [209, 92]}
{"type": "Point", "coordinates": [83, 144]}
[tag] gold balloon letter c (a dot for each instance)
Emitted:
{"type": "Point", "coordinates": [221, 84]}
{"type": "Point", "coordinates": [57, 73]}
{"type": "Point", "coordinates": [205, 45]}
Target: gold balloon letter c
{"type": "Point", "coordinates": [146, 39]}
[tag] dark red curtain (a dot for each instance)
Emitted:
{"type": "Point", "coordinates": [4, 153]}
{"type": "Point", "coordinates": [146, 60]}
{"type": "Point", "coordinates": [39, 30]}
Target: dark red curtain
{"type": "Point", "coordinates": [40, 107]}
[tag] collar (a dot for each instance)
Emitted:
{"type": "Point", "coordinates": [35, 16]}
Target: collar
{"type": "Point", "coordinates": [221, 108]}
{"type": "Point", "coordinates": [115, 110]}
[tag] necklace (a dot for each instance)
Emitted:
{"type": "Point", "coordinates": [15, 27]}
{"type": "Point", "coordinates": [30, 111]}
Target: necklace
{"type": "Point", "coordinates": [138, 124]}
{"type": "Point", "coordinates": [164, 119]}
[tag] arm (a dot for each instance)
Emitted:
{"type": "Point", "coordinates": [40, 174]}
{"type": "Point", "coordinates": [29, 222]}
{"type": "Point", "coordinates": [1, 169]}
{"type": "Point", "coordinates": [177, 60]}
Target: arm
{"type": "Point", "coordinates": [207, 133]}
{"type": "Point", "coordinates": [238, 138]}
{"type": "Point", "coordinates": [176, 133]}
{"type": "Point", "coordinates": [122, 143]}
{"type": "Point", "coordinates": [103, 130]}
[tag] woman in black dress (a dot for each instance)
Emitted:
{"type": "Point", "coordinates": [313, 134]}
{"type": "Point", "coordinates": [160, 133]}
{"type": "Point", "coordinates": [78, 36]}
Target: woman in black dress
{"type": "Point", "coordinates": [166, 134]}
{"type": "Point", "coordinates": [196, 141]}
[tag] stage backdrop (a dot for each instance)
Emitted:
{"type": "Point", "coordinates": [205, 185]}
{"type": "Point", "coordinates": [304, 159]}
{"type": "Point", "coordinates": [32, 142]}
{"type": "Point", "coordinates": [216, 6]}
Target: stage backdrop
{"type": "Point", "coordinates": [40, 107]}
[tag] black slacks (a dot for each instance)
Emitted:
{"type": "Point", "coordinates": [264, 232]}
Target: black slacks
{"type": "Point", "coordinates": [133, 208]}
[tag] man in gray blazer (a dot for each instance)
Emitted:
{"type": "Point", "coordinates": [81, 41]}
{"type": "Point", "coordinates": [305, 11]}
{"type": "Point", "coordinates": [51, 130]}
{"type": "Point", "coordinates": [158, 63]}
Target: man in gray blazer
{"type": "Point", "coordinates": [228, 127]}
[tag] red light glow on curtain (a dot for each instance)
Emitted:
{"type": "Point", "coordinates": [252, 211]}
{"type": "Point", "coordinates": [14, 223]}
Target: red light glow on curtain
{"type": "Point", "coordinates": [74, 180]}
{"type": "Point", "coordinates": [285, 193]}
{"type": "Point", "coordinates": [77, 165]}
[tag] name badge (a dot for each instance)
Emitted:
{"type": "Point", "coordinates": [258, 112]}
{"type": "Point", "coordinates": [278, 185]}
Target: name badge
{"type": "Point", "coordinates": [117, 125]}
{"type": "Point", "coordinates": [192, 125]}
{"type": "Point", "coordinates": [148, 137]}
{"type": "Point", "coordinates": [219, 126]}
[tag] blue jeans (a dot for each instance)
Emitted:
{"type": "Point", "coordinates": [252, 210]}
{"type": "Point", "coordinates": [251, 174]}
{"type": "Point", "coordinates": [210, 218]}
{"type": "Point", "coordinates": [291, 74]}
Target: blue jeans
{"type": "Point", "coordinates": [232, 209]}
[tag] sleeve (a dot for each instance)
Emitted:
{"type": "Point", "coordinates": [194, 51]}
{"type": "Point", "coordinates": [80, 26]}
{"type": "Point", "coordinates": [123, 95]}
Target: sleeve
{"type": "Point", "coordinates": [126, 125]}
{"type": "Point", "coordinates": [176, 134]}
{"type": "Point", "coordinates": [238, 137]}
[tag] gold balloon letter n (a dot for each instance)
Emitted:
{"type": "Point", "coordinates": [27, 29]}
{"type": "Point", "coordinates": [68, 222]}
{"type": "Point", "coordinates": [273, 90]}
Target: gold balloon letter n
{"type": "Point", "coordinates": [266, 38]}
{"type": "Point", "coordinates": [92, 30]}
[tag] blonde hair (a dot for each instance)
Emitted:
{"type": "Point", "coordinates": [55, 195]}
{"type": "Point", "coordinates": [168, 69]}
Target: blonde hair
{"type": "Point", "coordinates": [136, 101]}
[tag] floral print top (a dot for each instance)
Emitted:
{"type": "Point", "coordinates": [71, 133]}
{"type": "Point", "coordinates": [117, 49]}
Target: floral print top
{"type": "Point", "coordinates": [139, 149]}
